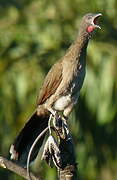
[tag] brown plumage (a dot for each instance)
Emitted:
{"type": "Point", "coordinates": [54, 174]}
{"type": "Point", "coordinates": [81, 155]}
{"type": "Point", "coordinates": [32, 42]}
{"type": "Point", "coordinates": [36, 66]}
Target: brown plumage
{"type": "Point", "coordinates": [51, 83]}
{"type": "Point", "coordinates": [60, 91]}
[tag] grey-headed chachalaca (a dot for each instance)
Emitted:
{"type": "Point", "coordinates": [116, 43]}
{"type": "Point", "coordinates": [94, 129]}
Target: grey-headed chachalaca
{"type": "Point", "coordinates": [60, 91]}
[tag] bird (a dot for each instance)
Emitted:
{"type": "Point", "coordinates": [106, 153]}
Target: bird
{"type": "Point", "coordinates": [59, 92]}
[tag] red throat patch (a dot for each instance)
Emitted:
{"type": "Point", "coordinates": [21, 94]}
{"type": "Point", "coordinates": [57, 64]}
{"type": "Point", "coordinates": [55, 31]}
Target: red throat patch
{"type": "Point", "coordinates": [90, 28]}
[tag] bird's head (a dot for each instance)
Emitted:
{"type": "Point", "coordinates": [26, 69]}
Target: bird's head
{"type": "Point", "coordinates": [89, 23]}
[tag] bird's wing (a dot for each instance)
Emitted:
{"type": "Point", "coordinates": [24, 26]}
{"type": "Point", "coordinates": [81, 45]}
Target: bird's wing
{"type": "Point", "coordinates": [51, 83]}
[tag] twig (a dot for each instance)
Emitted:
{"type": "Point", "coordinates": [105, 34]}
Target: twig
{"type": "Point", "coordinates": [49, 124]}
{"type": "Point", "coordinates": [7, 164]}
{"type": "Point", "coordinates": [31, 149]}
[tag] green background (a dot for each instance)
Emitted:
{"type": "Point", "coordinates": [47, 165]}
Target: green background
{"type": "Point", "coordinates": [33, 35]}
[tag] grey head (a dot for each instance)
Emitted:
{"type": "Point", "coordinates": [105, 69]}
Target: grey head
{"type": "Point", "coordinates": [89, 23]}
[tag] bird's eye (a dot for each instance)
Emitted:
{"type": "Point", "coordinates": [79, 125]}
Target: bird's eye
{"type": "Point", "coordinates": [89, 17]}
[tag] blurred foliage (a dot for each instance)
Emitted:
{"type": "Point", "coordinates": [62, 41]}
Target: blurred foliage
{"type": "Point", "coordinates": [33, 35]}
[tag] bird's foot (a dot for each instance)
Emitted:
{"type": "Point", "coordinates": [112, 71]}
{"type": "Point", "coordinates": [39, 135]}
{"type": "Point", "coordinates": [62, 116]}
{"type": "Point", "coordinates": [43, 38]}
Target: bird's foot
{"type": "Point", "coordinates": [65, 119]}
{"type": "Point", "coordinates": [65, 124]}
{"type": "Point", "coordinates": [60, 126]}
{"type": "Point", "coordinates": [60, 123]}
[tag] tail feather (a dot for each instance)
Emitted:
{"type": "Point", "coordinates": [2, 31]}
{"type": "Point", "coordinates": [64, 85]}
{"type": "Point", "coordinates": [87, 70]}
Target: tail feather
{"type": "Point", "coordinates": [20, 148]}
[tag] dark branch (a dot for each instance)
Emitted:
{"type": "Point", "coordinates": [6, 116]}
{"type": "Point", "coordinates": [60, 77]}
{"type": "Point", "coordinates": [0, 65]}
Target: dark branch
{"type": "Point", "coordinates": [68, 171]}
{"type": "Point", "coordinates": [7, 164]}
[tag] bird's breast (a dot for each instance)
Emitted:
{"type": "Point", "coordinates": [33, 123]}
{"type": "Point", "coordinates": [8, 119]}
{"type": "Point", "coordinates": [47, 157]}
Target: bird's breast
{"type": "Point", "coordinates": [62, 102]}
{"type": "Point", "coordinates": [71, 84]}
{"type": "Point", "coordinates": [77, 79]}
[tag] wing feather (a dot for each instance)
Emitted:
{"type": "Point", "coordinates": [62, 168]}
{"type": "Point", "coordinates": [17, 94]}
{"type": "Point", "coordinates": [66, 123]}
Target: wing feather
{"type": "Point", "coordinates": [51, 83]}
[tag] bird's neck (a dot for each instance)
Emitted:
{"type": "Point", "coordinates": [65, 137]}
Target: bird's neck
{"type": "Point", "coordinates": [77, 51]}
{"type": "Point", "coordinates": [81, 42]}
{"type": "Point", "coordinates": [81, 45]}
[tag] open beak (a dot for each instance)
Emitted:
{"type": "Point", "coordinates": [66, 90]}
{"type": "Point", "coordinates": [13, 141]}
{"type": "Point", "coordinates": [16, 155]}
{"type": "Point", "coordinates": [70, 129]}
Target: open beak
{"type": "Point", "coordinates": [95, 20]}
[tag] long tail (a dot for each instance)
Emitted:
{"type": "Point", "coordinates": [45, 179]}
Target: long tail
{"type": "Point", "coordinates": [20, 148]}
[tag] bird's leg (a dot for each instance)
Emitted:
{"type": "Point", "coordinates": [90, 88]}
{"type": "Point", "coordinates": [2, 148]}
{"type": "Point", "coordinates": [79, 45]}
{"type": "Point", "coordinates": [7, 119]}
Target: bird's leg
{"type": "Point", "coordinates": [65, 119]}
{"type": "Point", "coordinates": [56, 117]}
{"type": "Point", "coordinates": [53, 116]}
{"type": "Point", "coordinates": [67, 112]}
{"type": "Point", "coordinates": [52, 111]}
{"type": "Point", "coordinates": [65, 124]}
{"type": "Point", "coordinates": [59, 126]}
{"type": "Point", "coordinates": [59, 123]}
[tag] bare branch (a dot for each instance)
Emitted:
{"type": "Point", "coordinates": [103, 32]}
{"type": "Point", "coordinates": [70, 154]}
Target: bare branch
{"type": "Point", "coordinates": [9, 165]}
